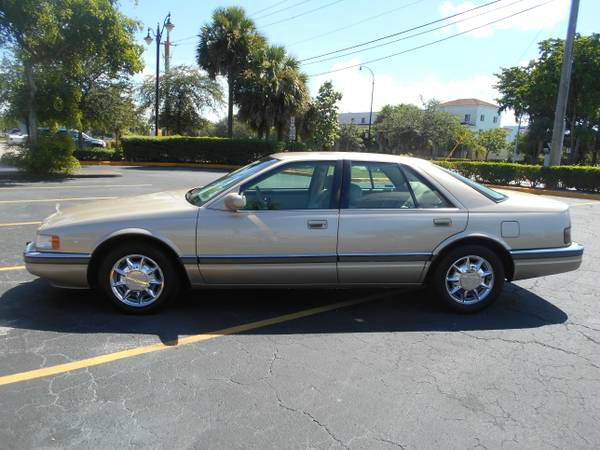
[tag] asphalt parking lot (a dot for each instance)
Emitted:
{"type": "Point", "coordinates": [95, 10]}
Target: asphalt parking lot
{"type": "Point", "coordinates": [360, 369]}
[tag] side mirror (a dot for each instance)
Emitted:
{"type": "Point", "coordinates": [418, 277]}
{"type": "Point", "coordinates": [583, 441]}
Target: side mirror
{"type": "Point", "coordinates": [234, 201]}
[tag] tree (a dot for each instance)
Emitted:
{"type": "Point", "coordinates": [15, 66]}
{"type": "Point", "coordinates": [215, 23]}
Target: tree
{"type": "Point", "coordinates": [224, 49]}
{"type": "Point", "coordinates": [271, 91]}
{"type": "Point", "coordinates": [426, 132]}
{"type": "Point", "coordinates": [112, 109]}
{"type": "Point", "coordinates": [185, 93]}
{"type": "Point", "coordinates": [326, 127]}
{"type": "Point", "coordinates": [350, 139]}
{"type": "Point", "coordinates": [59, 44]}
{"type": "Point", "coordinates": [531, 91]}
{"type": "Point", "coordinates": [492, 140]}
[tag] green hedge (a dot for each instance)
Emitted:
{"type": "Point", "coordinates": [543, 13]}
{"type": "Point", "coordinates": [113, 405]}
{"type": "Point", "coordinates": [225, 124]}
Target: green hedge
{"type": "Point", "coordinates": [197, 149]}
{"type": "Point", "coordinates": [581, 178]}
{"type": "Point", "coordinates": [97, 154]}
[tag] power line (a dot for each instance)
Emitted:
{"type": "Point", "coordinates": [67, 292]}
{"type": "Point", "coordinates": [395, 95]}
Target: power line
{"type": "Point", "coordinates": [274, 5]}
{"type": "Point", "coordinates": [400, 32]}
{"type": "Point", "coordinates": [421, 33]}
{"type": "Point", "coordinates": [185, 39]}
{"type": "Point", "coordinates": [303, 14]}
{"type": "Point", "coordinates": [272, 13]}
{"type": "Point", "coordinates": [430, 43]}
{"type": "Point", "coordinates": [389, 11]}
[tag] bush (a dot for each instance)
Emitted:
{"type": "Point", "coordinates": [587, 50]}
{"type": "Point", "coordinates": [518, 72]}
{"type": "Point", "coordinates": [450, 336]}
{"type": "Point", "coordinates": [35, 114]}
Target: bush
{"type": "Point", "coordinates": [197, 149]}
{"type": "Point", "coordinates": [97, 154]}
{"type": "Point", "coordinates": [581, 178]}
{"type": "Point", "coordinates": [49, 155]}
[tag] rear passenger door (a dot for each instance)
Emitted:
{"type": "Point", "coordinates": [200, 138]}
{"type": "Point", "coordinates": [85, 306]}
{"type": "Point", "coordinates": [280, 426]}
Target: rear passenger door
{"type": "Point", "coordinates": [391, 219]}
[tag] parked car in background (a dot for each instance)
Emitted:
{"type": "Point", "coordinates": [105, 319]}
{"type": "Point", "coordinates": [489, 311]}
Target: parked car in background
{"type": "Point", "coordinates": [16, 138]}
{"type": "Point", "coordinates": [310, 219]}
{"type": "Point", "coordinates": [88, 141]}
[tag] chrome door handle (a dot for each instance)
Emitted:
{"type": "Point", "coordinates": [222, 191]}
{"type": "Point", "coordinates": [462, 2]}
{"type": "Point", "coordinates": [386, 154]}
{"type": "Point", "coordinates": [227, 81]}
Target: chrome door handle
{"type": "Point", "coordinates": [442, 222]}
{"type": "Point", "coordinates": [317, 224]}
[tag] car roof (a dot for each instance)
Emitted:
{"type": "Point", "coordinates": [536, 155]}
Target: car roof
{"type": "Point", "coordinates": [355, 156]}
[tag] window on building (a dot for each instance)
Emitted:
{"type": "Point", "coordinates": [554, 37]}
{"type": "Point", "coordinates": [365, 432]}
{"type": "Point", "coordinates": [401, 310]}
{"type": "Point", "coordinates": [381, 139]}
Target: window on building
{"type": "Point", "coordinates": [362, 120]}
{"type": "Point", "coordinates": [481, 118]}
{"type": "Point", "coordinates": [467, 118]}
{"type": "Point", "coordinates": [495, 119]}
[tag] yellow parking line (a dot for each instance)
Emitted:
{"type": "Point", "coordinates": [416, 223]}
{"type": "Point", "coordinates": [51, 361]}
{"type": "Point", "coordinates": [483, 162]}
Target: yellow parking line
{"type": "Point", "coordinates": [46, 200]}
{"type": "Point", "coordinates": [586, 203]}
{"type": "Point", "coordinates": [15, 224]}
{"type": "Point", "coordinates": [110, 357]}
{"type": "Point", "coordinates": [6, 269]}
{"type": "Point", "coordinates": [76, 186]}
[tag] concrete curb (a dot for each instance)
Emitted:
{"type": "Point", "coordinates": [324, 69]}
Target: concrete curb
{"type": "Point", "coordinates": [570, 194]}
{"type": "Point", "coordinates": [159, 164]}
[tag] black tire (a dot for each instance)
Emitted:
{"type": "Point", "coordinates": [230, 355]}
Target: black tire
{"type": "Point", "coordinates": [439, 281]}
{"type": "Point", "coordinates": [171, 280]}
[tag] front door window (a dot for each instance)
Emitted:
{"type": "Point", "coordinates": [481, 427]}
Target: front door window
{"type": "Point", "coordinates": [295, 186]}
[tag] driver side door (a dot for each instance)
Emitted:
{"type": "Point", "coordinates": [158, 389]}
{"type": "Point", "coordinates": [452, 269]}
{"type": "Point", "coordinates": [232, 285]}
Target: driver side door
{"type": "Point", "coordinates": [286, 234]}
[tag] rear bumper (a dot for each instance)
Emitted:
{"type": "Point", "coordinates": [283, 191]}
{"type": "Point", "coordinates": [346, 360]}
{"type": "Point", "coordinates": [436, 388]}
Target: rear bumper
{"type": "Point", "coordinates": [61, 269]}
{"type": "Point", "coordinates": [546, 261]}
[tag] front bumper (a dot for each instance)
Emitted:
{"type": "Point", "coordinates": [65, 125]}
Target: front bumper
{"type": "Point", "coordinates": [60, 268]}
{"type": "Point", "coordinates": [546, 261]}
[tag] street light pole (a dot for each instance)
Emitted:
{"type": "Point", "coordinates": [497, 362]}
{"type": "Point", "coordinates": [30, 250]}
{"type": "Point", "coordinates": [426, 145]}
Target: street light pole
{"type": "Point", "coordinates": [158, 36]}
{"type": "Point", "coordinates": [558, 131]}
{"type": "Point", "coordinates": [370, 110]}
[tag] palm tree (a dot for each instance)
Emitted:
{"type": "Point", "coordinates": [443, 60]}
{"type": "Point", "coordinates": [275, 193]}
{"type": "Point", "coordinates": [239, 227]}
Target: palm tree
{"type": "Point", "coordinates": [271, 91]}
{"type": "Point", "coordinates": [224, 49]}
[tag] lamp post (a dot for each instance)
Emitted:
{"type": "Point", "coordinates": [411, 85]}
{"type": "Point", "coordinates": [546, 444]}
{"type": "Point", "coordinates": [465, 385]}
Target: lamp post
{"type": "Point", "coordinates": [371, 110]}
{"type": "Point", "coordinates": [158, 35]}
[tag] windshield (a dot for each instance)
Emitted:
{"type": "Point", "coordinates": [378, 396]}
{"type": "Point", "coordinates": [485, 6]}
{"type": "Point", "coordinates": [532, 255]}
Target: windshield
{"type": "Point", "coordinates": [489, 193]}
{"type": "Point", "coordinates": [201, 195]}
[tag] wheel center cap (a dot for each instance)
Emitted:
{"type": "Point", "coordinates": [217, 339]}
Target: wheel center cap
{"type": "Point", "coordinates": [470, 280]}
{"type": "Point", "coordinates": [136, 280]}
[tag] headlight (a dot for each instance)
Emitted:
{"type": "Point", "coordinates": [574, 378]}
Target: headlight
{"type": "Point", "coordinates": [43, 241]}
{"type": "Point", "coordinates": [567, 235]}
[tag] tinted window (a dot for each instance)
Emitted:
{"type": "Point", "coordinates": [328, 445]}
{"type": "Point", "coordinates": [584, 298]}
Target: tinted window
{"type": "Point", "coordinates": [426, 195]}
{"type": "Point", "coordinates": [306, 185]}
{"type": "Point", "coordinates": [378, 185]}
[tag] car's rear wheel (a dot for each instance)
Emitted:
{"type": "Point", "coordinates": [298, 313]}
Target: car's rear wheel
{"type": "Point", "coordinates": [138, 278]}
{"type": "Point", "coordinates": [469, 278]}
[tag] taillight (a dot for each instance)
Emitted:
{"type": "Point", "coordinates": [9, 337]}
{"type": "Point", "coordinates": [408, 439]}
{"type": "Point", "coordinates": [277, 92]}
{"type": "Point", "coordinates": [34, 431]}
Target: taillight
{"type": "Point", "coordinates": [567, 235]}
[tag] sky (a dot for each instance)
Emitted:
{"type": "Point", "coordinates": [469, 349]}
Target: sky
{"type": "Point", "coordinates": [457, 67]}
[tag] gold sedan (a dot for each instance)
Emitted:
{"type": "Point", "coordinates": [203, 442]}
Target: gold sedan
{"type": "Point", "coordinates": [310, 219]}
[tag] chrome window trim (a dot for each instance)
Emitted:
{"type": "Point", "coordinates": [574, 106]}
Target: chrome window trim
{"type": "Point", "coordinates": [572, 250]}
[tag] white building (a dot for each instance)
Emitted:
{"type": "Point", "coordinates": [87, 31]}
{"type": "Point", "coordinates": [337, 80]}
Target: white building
{"type": "Point", "coordinates": [358, 118]}
{"type": "Point", "coordinates": [476, 114]}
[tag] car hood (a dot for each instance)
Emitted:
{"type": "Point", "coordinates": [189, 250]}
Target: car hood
{"type": "Point", "coordinates": [135, 207]}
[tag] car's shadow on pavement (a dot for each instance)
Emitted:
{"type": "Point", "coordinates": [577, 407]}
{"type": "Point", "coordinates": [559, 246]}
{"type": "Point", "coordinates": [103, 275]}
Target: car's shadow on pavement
{"type": "Point", "coordinates": [38, 306]}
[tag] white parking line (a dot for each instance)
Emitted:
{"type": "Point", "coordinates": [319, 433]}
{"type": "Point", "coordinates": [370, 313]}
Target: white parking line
{"type": "Point", "coordinates": [48, 200]}
{"type": "Point", "coordinates": [76, 186]}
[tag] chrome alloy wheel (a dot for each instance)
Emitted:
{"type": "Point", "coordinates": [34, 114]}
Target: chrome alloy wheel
{"type": "Point", "coordinates": [136, 280]}
{"type": "Point", "coordinates": [470, 279]}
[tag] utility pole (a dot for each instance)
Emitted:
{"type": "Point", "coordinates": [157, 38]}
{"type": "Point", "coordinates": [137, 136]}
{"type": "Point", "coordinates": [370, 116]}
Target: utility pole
{"type": "Point", "coordinates": [168, 51]}
{"type": "Point", "coordinates": [370, 110]}
{"type": "Point", "coordinates": [558, 131]}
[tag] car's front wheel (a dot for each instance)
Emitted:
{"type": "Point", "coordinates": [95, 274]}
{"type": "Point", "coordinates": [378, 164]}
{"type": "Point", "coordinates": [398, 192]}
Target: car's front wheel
{"type": "Point", "coordinates": [469, 278]}
{"type": "Point", "coordinates": [138, 278]}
